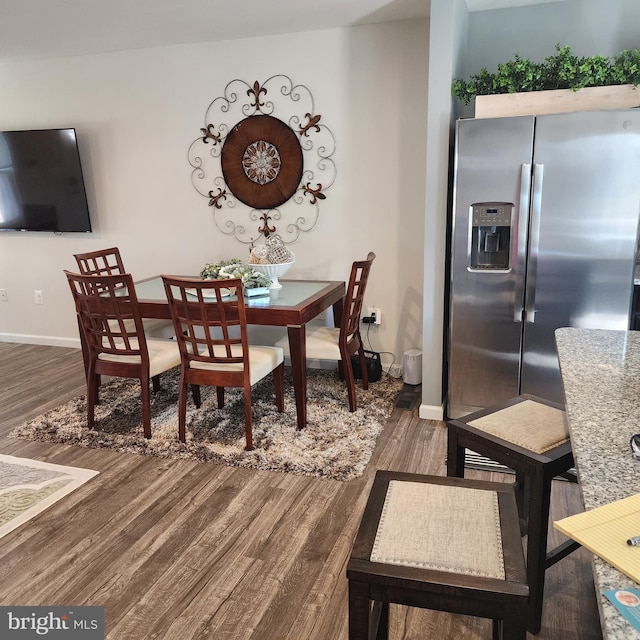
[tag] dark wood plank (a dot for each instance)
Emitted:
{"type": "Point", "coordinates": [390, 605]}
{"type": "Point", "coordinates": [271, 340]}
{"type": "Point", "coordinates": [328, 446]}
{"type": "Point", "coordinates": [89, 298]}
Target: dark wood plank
{"type": "Point", "coordinates": [177, 550]}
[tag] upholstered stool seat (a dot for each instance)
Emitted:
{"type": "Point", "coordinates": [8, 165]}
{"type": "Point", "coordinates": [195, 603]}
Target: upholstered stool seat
{"type": "Point", "coordinates": [447, 544]}
{"type": "Point", "coordinates": [530, 436]}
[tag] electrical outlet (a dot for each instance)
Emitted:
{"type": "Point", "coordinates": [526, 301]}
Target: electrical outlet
{"type": "Point", "coordinates": [375, 313]}
{"type": "Point", "coordinates": [37, 295]}
{"type": "Point", "coordinates": [3, 295]}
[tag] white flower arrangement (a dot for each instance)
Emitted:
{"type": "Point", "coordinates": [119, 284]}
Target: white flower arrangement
{"type": "Point", "coordinates": [235, 268]}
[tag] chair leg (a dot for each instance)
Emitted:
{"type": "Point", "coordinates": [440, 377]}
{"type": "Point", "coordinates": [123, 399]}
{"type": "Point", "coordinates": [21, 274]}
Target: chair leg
{"type": "Point", "coordinates": [539, 496]}
{"type": "Point", "coordinates": [380, 620]}
{"type": "Point", "coordinates": [195, 394]}
{"type": "Point", "coordinates": [92, 396]}
{"type": "Point", "coordinates": [278, 382]}
{"type": "Point", "coordinates": [455, 454]}
{"type": "Point", "coordinates": [522, 498]}
{"type": "Point", "coordinates": [358, 611]}
{"type": "Point", "coordinates": [351, 383]}
{"type": "Point", "coordinates": [220, 395]}
{"type": "Point", "coordinates": [514, 626]}
{"type": "Point", "coordinates": [182, 408]}
{"type": "Point", "coordinates": [248, 432]}
{"type": "Point", "coordinates": [146, 407]}
{"type": "Point", "coordinates": [88, 376]}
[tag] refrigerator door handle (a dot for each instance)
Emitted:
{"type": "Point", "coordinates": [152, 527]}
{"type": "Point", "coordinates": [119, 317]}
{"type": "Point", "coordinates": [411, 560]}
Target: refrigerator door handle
{"type": "Point", "coordinates": [521, 239]}
{"type": "Point", "coordinates": [534, 242]}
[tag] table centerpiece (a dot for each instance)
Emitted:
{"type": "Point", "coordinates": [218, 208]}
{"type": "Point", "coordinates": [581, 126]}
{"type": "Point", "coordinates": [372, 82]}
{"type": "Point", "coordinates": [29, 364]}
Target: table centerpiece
{"type": "Point", "coordinates": [273, 259]}
{"type": "Point", "coordinates": [254, 282]}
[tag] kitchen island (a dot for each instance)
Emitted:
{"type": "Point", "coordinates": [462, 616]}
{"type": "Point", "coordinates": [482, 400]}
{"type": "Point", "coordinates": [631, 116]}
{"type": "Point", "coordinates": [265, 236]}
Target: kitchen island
{"type": "Point", "coordinates": [601, 378]}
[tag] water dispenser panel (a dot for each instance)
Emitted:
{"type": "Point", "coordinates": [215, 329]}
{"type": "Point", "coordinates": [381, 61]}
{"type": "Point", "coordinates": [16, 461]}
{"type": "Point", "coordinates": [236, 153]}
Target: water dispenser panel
{"type": "Point", "coordinates": [491, 227]}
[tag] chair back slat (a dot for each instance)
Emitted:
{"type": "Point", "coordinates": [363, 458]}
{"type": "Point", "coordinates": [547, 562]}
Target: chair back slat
{"type": "Point", "coordinates": [210, 324]}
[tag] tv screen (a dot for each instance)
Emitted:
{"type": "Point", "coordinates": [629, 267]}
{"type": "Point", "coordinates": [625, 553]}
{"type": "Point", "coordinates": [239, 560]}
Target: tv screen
{"type": "Point", "coordinates": [41, 183]}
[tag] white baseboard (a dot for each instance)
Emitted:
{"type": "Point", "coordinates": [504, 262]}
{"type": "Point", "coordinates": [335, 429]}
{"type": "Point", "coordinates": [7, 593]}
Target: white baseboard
{"type": "Point", "coordinates": [431, 412]}
{"type": "Point", "coordinates": [49, 341]}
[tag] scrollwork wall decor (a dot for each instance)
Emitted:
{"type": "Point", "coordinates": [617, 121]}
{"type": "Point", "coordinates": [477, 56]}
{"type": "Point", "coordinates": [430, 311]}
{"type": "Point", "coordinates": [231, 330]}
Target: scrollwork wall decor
{"type": "Point", "coordinates": [263, 159]}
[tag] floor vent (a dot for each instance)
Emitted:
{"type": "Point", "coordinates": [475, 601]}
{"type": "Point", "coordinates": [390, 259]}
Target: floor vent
{"type": "Point", "coordinates": [408, 396]}
{"type": "Point", "coordinates": [473, 460]}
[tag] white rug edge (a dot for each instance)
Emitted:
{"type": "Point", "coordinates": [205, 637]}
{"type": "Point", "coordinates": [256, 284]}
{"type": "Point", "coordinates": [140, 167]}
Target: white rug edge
{"type": "Point", "coordinates": [79, 477]}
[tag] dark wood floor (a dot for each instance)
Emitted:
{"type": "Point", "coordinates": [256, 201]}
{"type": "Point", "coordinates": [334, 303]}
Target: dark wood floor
{"type": "Point", "coordinates": [179, 550]}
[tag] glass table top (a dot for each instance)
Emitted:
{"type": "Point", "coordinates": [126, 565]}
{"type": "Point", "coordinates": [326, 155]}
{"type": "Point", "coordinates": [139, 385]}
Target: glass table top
{"type": "Point", "coordinates": [292, 294]}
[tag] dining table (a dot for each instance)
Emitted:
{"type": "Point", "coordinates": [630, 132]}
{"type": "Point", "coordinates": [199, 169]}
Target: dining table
{"type": "Point", "coordinates": [292, 306]}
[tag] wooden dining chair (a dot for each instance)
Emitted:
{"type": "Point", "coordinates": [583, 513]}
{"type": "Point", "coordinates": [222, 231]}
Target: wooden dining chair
{"type": "Point", "coordinates": [107, 262]}
{"type": "Point", "coordinates": [109, 319]}
{"type": "Point", "coordinates": [340, 343]}
{"type": "Point", "coordinates": [211, 331]}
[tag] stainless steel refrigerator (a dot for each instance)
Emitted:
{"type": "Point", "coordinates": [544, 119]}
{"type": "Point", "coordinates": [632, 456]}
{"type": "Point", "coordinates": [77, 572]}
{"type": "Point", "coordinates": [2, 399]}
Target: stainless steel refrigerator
{"type": "Point", "coordinates": [545, 221]}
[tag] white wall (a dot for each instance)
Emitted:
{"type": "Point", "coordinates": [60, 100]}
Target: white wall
{"type": "Point", "coordinates": [589, 27]}
{"type": "Point", "coordinates": [446, 43]}
{"type": "Point", "coordinates": [136, 114]}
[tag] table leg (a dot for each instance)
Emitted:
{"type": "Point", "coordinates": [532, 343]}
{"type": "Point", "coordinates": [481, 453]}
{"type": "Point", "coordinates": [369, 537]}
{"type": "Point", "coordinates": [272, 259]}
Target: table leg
{"type": "Point", "coordinates": [337, 312]}
{"type": "Point", "coordinates": [298, 353]}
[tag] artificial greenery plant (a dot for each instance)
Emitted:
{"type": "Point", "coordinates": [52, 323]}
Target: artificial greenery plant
{"type": "Point", "coordinates": [564, 70]}
{"type": "Point", "coordinates": [235, 268]}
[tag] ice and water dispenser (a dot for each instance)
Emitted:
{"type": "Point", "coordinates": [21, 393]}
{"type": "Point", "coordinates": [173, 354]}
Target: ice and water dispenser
{"type": "Point", "coordinates": [490, 242]}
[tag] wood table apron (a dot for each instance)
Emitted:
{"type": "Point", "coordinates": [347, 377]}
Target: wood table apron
{"type": "Point", "coordinates": [298, 302]}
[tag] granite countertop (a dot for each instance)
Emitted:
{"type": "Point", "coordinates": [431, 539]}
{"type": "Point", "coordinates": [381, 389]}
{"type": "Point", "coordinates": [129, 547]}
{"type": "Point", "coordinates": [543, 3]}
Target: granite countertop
{"type": "Point", "coordinates": [601, 379]}
{"type": "Point", "coordinates": [636, 274]}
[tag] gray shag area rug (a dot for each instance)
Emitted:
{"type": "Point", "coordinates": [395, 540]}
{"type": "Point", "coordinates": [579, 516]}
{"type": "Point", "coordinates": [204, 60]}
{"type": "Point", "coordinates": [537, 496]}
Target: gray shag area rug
{"type": "Point", "coordinates": [335, 444]}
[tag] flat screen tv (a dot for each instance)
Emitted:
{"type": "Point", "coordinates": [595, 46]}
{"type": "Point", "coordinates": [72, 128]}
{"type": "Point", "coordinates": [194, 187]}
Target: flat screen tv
{"type": "Point", "coordinates": [41, 183]}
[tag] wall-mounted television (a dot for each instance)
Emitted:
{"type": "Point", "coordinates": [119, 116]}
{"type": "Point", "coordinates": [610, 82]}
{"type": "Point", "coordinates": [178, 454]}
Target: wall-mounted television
{"type": "Point", "coordinates": [41, 182]}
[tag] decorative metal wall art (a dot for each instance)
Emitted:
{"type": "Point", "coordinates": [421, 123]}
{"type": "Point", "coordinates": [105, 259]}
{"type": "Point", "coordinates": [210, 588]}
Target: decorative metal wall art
{"type": "Point", "coordinates": [264, 159]}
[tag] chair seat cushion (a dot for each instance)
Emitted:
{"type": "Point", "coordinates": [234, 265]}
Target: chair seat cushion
{"type": "Point", "coordinates": [322, 343]}
{"type": "Point", "coordinates": [429, 526]}
{"type": "Point", "coordinates": [163, 355]}
{"type": "Point", "coordinates": [528, 424]}
{"type": "Point", "coordinates": [262, 361]}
